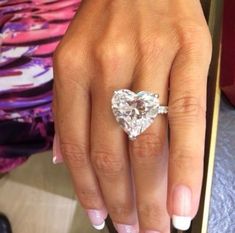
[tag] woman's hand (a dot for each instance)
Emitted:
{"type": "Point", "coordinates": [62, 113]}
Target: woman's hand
{"type": "Point", "coordinates": [159, 46]}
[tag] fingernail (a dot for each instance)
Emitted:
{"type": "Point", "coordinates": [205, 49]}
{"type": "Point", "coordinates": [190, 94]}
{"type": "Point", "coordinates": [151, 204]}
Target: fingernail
{"type": "Point", "coordinates": [181, 223]}
{"type": "Point", "coordinates": [122, 228]}
{"type": "Point", "coordinates": [57, 156]}
{"type": "Point", "coordinates": [97, 218]}
{"type": "Point", "coordinates": [182, 204]}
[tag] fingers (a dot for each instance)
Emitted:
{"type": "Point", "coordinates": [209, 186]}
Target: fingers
{"type": "Point", "coordinates": [72, 121]}
{"type": "Point", "coordinates": [109, 149]}
{"type": "Point", "coordinates": [187, 107]}
{"type": "Point", "coordinates": [56, 153]}
{"type": "Point", "coordinates": [149, 151]}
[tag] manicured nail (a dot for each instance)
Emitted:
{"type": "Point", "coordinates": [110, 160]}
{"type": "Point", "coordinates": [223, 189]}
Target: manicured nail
{"type": "Point", "coordinates": [182, 204]}
{"type": "Point", "coordinates": [181, 223]}
{"type": "Point", "coordinates": [97, 218]}
{"type": "Point", "coordinates": [57, 156]}
{"type": "Point", "coordinates": [122, 228]}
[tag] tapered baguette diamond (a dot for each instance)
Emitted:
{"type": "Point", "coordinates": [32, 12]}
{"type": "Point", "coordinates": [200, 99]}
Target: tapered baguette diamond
{"type": "Point", "coordinates": [135, 112]}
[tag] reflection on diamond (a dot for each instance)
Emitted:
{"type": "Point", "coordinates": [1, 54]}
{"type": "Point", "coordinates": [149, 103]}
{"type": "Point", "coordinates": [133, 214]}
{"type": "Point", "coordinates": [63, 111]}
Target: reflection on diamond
{"type": "Point", "coordinates": [134, 112]}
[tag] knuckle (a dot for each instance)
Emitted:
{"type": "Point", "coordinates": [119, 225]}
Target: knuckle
{"type": "Point", "coordinates": [195, 35]}
{"type": "Point", "coordinates": [57, 54]}
{"type": "Point", "coordinates": [107, 163]}
{"type": "Point", "coordinates": [88, 197]}
{"type": "Point", "coordinates": [186, 108]}
{"type": "Point", "coordinates": [120, 210]}
{"type": "Point", "coordinates": [66, 64]}
{"type": "Point", "coordinates": [185, 159]}
{"type": "Point", "coordinates": [191, 31]}
{"type": "Point", "coordinates": [62, 57]}
{"type": "Point", "coordinates": [75, 155]}
{"type": "Point", "coordinates": [147, 146]}
{"type": "Point", "coordinates": [152, 213]}
{"type": "Point", "coordinates": [112, 53]}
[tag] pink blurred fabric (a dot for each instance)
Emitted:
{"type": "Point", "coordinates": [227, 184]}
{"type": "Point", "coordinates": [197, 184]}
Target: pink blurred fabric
{"type": "Point", "coordinates": [30, 32]}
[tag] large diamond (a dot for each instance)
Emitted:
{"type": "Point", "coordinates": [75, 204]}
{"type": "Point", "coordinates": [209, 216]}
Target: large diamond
{"type": "Point", "coordinates": [134, 112]}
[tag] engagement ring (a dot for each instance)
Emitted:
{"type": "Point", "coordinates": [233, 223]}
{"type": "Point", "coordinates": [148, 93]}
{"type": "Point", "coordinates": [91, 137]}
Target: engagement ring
{"type": "Point", "coordinates": [136, 112]}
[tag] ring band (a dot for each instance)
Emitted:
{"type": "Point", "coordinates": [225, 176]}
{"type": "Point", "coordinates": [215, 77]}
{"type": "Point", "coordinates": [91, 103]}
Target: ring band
{"type": "Point", "coordinates": [162, 110]}
{"type": "Point", "coordinates": [135, 112]}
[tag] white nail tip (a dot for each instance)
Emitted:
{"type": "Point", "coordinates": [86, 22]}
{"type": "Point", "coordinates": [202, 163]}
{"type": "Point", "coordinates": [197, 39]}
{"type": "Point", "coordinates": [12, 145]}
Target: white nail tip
{"type": "Point", "coordinates": [181, 222]}
{"type": "Point", "coordinates": [99, 227]}
{"type": "Point", "coordinates": [54, 160]}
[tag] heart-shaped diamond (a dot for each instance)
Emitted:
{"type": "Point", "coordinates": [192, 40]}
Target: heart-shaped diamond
{"type": "Point", "coordinates": [134, 112]}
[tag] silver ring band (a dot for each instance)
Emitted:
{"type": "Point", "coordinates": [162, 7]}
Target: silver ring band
{"type": "Point", "coordinates": [162, 110]}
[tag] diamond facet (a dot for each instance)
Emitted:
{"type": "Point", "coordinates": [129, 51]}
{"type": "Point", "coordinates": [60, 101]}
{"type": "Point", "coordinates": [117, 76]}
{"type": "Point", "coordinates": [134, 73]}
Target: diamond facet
{"type": "Point", "coordinates": [135, 112]}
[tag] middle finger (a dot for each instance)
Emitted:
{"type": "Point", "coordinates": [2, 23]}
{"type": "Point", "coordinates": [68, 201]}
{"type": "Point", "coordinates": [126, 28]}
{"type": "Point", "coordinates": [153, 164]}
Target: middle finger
{"type": "Point", "coordinates": [109, 148]}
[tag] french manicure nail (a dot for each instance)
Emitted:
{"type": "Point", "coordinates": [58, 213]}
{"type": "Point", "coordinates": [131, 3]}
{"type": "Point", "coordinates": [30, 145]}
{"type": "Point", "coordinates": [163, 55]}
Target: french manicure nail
{"type": "Point", "coordinates": [182, 199]}
{"type": "Point", "coordinates": [97, 218]}
{"type": "Point", "coordinates": [122, 228]}
{"type": "Point", "coordinates": [57, 156]}
{"type": "Point", "coordinates": [181, 223]}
